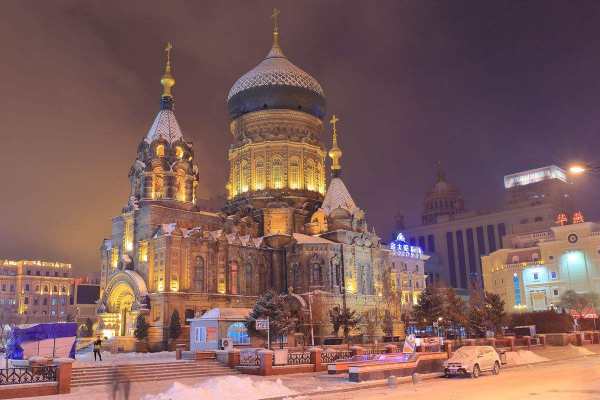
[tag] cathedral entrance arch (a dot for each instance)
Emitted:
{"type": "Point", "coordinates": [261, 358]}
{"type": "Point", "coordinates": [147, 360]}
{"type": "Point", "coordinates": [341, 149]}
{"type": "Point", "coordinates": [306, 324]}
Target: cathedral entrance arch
{"type": "Point", "coordinates": [121, 301]}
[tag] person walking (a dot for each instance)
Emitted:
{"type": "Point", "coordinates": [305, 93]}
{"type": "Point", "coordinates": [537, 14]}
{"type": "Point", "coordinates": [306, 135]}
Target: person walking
{"type": "Point", "coordinates": [97, 348]}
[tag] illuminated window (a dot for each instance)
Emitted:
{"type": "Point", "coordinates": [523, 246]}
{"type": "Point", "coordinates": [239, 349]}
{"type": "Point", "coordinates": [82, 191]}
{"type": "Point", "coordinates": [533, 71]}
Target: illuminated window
{"type": "Point", "coordinates": [259, 174]}
{"type": "Point", "coordinates": [238, 333]}
{"type": "Point", "coordinates": [199, 274]}
{"type": "Point", "coordinates": [143, 251]}
{"type": "Point", "coordinates": [294, 173]}
{"type": "Point", "coordinates": [160, 150]}
{"type": "Point", "coordinates": [158, 184]}
{"type": "Point", "coordinates": [180, 186]}
{"type": "Point", "coordinates": [320, 178]}
{"type": "Point", "coordinates": [517, 289]}
{"type": "Point", "coordinates": [245, 176]}
{"type": "Point", "coordinates": [114, 258]}
{"type": "Point", "coordinates": [234, 284]}
{"type": "Point", "coordinates": [235, 179]}
{"type": "Point", "coordinates": [179, 152]}
{"type": "Point", "coordinates": [277, 173]}
{"type": "Point", "coordinates": [309, 175]}
{"type": "Point", "coordinates": [128, 235]}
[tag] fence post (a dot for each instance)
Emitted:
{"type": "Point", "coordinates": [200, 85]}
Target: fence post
{"type": "Point", "coordinates": [265, 358]}
{"type": "Point", "coordinates": [233, 358]}
{"type": "Point", "coordinates": [448, 345]}
{"type": "Point", "coordinates": [315, 358]}
{"type": "Point", "coordinates": [64, 369]}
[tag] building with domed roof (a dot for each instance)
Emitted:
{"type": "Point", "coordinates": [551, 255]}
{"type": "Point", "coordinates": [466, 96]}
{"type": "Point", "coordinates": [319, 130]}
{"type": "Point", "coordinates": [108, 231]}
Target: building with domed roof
{"type": "Point", "coordinates": [456, 239]}
{"type": "Point", "coordinates": [443, 199]}
{"type": "Point", "coordinates": [281, 228]}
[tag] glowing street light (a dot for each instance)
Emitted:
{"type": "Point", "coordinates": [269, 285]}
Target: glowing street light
{"type": "Point", "coordinates": [583, 168]}
{"type": "Point", "coordinates": [577, 169]}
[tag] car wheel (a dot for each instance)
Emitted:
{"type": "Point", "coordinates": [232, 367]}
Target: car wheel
{"type": "Point", "coordinates": [496, 369]}
{"type": "Point", "coordinates": [476, 372]}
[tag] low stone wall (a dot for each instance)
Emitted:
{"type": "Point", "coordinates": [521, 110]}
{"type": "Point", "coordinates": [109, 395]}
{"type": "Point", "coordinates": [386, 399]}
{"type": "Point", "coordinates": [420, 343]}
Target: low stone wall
{"type": "Point", "coordinates": [62, 385]}
{"type": "Point", "coordinates": [425, 363]}
{"type": "Point", "coordinates": [28, 390]}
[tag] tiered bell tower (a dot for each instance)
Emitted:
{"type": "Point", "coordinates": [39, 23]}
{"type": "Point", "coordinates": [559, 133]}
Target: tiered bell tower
{"type": "Point", "coordinates": [164, 170]}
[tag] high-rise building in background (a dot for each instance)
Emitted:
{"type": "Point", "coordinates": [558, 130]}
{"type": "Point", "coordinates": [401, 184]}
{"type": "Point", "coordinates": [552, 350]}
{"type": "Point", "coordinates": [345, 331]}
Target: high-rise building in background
{"type": "Point", "coordinates": [456, 238]}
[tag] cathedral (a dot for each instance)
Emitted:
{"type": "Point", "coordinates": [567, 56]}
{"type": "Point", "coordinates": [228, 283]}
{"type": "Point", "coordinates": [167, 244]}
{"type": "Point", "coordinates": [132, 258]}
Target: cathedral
{"type": "Point", "coordinates": [284, 226]}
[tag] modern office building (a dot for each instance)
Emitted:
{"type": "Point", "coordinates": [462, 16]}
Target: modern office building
{"type": "Point", "coordinates": [536, 268]}
{"type": "Point", "coordinates": [456, 238]}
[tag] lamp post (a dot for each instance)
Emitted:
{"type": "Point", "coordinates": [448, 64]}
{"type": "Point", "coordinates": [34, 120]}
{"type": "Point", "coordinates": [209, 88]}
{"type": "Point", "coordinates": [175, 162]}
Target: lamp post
{"type": "Point", "coordinates": [576, 169]}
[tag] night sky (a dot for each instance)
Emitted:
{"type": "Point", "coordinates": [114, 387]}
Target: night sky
{"type": "Point", "coordinates": [486, 88]}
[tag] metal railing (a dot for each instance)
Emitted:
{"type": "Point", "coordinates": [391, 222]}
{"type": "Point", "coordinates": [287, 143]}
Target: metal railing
{"type": "Point", "coordinates": [24, 375]}
{"type": "Point", "coordinates": [249, 358]}
{"type": "Point", "coordinates": [328, 357]}
{"type": "Point", "coordinates": [298, 358]}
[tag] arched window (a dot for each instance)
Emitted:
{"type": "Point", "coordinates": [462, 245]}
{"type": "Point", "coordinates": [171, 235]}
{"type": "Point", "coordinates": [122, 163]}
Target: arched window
{"type": "Point", "coordinates": [160, 150]}
{"type": "Point", "coordinates": [316, 274]}
{"type": "Point", "coordinates": [259, 174]}
{"type": "Point", "coordinates": [294, 173]}
{"type": "Point", "coordinates": [180, 186]}
{"type": "Point", "coordinates": [277, 173]}
{"type": "Point", "coordinates": [310, 175]}
{"type": "Point", "coordinates": [234, 278]}
{"type": "Point", "coordinates": [320, 178]}
{"type": "Point", "coordinates": [297, 275]}
{"type": "Point", "coordinates": [158, 184]}
{"type": "Point", "coordinates": [238, 333]}
{"type": "Point", "coordinates": [199, 274]}
{"type": "Point", "coordinates": [244, 176]}
{"type": "Point", "coordinates": [179, 152]}
{"type": "Point", "coordinates": [249, 279]}
{"type": "Point", "coordinates": [235, 179]}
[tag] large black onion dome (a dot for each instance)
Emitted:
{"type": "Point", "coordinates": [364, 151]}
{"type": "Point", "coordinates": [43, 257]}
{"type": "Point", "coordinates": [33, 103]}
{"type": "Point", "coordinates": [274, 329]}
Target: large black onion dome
{"type": "Point", "coordinates": [276, 83]}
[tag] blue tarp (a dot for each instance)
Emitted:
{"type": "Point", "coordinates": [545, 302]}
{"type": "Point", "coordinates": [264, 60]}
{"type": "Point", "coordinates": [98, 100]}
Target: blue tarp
{"type": "Point", "coordinates": [37, 333]}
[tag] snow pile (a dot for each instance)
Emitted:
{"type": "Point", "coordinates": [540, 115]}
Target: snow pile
{"type": "Point", "coordinates": [581, 350]}
{"type": "Point", "coordinates": [523, 357]}
{"type": "Point", "coordinates": [87, 359]}
{"type": "Point", "coordinates": [225, 388]}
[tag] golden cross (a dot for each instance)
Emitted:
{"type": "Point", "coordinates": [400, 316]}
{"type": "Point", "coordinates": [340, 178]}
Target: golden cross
{"type": "Point", "coordinates": [333, 121]}
{"type": "Point", "coordinates": [275, 17]}
{"type": "Point", "coordinates": [168, 48]}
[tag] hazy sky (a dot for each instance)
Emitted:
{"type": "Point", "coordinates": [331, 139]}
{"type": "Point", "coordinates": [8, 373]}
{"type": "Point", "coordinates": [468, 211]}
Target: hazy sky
{"type": "Point", "coordinates": [486, 87]}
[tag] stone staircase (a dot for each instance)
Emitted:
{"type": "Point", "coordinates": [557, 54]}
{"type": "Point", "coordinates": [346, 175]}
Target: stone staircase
{"type": "Point", "coordinates": [106, 374]}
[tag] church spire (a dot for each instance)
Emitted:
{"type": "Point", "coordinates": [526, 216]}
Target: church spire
{"type": "Point", "coordinates": [275, 49]}
{"type": "Point", "coordinates": [167, 81]}
{"type": "Point", "coordinates": [441, 177]}
{"type": "Point", "coordinates": [335, 153]}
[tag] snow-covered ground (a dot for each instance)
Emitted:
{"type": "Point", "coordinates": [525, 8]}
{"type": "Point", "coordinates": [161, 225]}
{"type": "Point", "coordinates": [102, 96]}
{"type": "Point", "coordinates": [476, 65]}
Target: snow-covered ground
{"type": "Point", "coordinates": [521, 357]}
{"type": "Point", "coordinates": [87, 359]}
{"type": "Point", "coordinates": [581, 350]}
{"type": "Point", "coordinates": [225, 388]}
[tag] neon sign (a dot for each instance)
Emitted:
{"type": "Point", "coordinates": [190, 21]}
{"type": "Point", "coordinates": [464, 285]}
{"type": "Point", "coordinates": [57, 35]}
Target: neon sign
{"type": "Point", "coordinates": [401, 248]}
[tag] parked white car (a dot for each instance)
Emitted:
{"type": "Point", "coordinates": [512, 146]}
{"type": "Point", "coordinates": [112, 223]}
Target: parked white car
{"type": "Point", "coordinates": [473, 360]}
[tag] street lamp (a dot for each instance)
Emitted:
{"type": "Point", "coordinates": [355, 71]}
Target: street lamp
{"type": "Point", "coordinates": [583, 168]}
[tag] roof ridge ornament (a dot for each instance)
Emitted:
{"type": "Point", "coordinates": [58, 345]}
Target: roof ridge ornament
{"type": "Point", "coordinates": [167, 80]}
{"type": "Point", "coordinates": [335, 153]}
